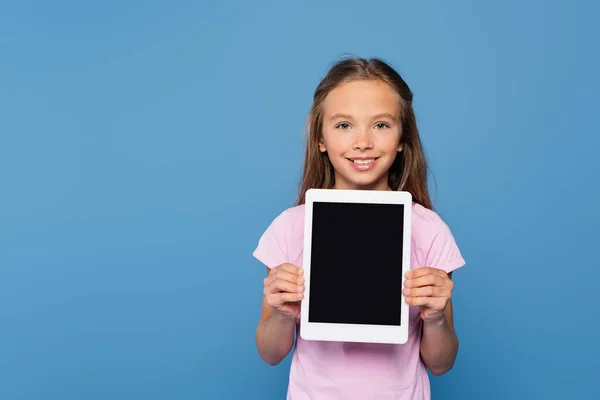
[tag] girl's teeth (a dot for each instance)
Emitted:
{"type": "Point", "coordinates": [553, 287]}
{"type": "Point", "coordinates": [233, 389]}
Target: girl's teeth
{"type": "Point", "coordinates": [364, 161]}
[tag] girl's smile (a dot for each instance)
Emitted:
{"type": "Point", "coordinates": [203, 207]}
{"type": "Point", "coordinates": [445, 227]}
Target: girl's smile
{"type": "Point", "coordinates": [363, 163]}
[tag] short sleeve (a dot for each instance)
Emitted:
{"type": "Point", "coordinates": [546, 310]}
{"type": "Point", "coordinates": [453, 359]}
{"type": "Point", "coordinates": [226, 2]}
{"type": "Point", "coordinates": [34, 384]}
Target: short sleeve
{"type": "Point", "coordinates": [444, 252]}
{"type": "Point", "coordinates": [272, 247]}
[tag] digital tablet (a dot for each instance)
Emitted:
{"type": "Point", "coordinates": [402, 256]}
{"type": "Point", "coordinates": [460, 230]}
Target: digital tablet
{"type": "Point", "coordinates": [356, 252]}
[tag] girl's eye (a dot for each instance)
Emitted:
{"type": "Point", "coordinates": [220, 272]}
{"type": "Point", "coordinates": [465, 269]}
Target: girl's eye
{"type": "Point", "coordinates": [343, 125]}
{"type": "Point", "coordinates": [382, 125]}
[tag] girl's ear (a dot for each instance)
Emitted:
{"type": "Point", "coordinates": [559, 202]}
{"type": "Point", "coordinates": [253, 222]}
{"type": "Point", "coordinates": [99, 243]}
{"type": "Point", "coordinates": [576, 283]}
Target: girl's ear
{"type": "Point", "coordinates": [322, 148]}
{"type": "Point", "coordinates": [400, 147]}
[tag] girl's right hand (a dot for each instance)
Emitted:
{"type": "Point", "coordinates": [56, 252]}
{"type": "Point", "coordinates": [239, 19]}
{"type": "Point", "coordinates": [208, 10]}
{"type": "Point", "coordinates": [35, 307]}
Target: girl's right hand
{"type": "Point", "coordinates": [284, 289]}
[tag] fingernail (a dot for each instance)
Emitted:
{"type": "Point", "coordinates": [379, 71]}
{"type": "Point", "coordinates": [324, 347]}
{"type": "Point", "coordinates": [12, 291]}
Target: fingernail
{"type": "Point", "coordinates": [299, 288]}
{"type": "Point", "coordinates": [299, 295]}
{"type": "Point", "coordinates": [301, 271]}
{"type": "Point", "coordinates": [300, 280]}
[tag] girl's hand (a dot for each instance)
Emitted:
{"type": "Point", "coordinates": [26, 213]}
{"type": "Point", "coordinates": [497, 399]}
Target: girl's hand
{"type": "Point", "coordinates": [284, 289]}
{"type": "Point", "coordinates": [430, 289]}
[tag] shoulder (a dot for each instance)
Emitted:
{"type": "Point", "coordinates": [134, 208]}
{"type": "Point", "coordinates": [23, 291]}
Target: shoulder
{"type": "Point", "coordinates": [282, 240]}
{"type": "Point", "coordinates": [294, 213]}
{"type": "Point", "coordinates": [426, 221]}
{"type": "Point", "coordinates": [433, 240]}
{"type": "Point", "coordinates": [289, 218]}
{"type": "Point", "coordinates": [285, 225]}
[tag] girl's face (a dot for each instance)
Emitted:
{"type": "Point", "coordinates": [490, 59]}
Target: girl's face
{"type": "Point", "coordinates": [361, 133]}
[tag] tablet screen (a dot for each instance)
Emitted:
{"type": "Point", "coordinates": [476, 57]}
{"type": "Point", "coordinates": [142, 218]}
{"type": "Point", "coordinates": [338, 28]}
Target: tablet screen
{"type": "Point", "coordinates": [356, 263]}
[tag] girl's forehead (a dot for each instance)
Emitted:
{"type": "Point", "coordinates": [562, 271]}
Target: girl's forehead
{"type": "Point", "coordinates": [362, 98]}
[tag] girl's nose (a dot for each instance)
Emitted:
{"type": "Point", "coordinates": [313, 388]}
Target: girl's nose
{"type": "Point", "coordinates": [362, 141]}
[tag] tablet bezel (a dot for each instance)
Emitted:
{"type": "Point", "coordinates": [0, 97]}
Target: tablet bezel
{"type": "Point", "coordinates": [363, 333]}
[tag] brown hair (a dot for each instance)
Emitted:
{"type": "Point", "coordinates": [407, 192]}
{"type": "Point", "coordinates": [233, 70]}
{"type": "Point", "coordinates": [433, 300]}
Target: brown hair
{"type": "Point", "coordinates": [409, 170]}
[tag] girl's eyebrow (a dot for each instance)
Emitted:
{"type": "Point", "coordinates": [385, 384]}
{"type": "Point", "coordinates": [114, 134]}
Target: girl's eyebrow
{"type": "Point", "coordinates": [378, 116]}
{"type": "Point", "coordinates": [385, 115]}
{"type": "Point", "coordinates": [341, 116]}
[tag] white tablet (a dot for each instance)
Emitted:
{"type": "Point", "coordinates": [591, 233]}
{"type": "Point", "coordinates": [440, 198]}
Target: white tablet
{"type": "Point", "coordinates": [356, 252]}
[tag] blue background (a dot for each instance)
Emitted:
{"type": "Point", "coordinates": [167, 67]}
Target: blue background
{"type": "Point", "coordinates": [146, 145]}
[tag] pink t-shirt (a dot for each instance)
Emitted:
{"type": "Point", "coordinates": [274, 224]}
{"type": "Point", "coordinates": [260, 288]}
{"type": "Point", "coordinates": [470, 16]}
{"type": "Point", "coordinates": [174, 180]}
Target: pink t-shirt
{"type": "Point", "coordinates": [334, 370]}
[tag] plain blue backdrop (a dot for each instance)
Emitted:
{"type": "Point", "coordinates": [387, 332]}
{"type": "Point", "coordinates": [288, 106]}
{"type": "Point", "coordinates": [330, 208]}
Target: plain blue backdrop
{"type": "Point", "coordinates": [146, 145]}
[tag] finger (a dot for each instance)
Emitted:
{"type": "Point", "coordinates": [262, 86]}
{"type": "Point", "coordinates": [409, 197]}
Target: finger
{"type": "Point", "coordinates": [288, 276]}
{"type": "Point", "coordinates": [284, 276]}
{"type": "Point", "coordinates": [435, 303]}
{"type": "Point", "coordinates": [422, 271]}
{"type": "Point", "coordinates": [427, 291]}
{"type": "Point", "coordinates": [284, 286]}
{"type": "Point", "coordinates": [278, 299]}
{"type": "Point", "coordinates": [417, 272]}
{"type": "Point", "coordinates": [292, 269]}
{"type": "Point", "coordinates": [425, 280]}
{"type": "Point", "coordinates": [284, 271]}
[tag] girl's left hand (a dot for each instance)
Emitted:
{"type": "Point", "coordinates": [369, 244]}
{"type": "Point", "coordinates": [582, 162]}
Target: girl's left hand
{"type": "Point", "coordinates": [430, 289]}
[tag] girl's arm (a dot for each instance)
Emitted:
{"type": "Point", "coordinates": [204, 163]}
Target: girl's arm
{"type": "Point", "coordinates": [430, 289]}
{"type": "Point", "coordinates": [283, 291]}
{"type": "Point", "coordinates": [439, 345]}
{"type": "Point", "coordinates": [274, 335]}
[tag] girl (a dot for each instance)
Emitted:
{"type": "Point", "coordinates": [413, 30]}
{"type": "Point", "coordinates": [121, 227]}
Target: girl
{"type": "Point", "coordinates": [362, 134]}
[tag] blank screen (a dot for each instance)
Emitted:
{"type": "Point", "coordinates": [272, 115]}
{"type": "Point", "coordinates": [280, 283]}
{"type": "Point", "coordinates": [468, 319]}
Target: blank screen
{"type": "Point", "coordinates": [356, 263]}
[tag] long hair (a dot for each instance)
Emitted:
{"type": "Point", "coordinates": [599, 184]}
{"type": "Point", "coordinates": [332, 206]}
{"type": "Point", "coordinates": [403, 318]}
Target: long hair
{"type": "Point", "coordinates": [408, 171]}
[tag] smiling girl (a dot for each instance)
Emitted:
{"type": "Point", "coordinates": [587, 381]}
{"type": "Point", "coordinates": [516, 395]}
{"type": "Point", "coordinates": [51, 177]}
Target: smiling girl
{"type": "Point", "coordinates": [362, 135]}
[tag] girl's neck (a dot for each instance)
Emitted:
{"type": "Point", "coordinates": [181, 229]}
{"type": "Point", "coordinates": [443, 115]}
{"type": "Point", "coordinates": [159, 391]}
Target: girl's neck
{"type": "Point", "coordinates": [385, 187]}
